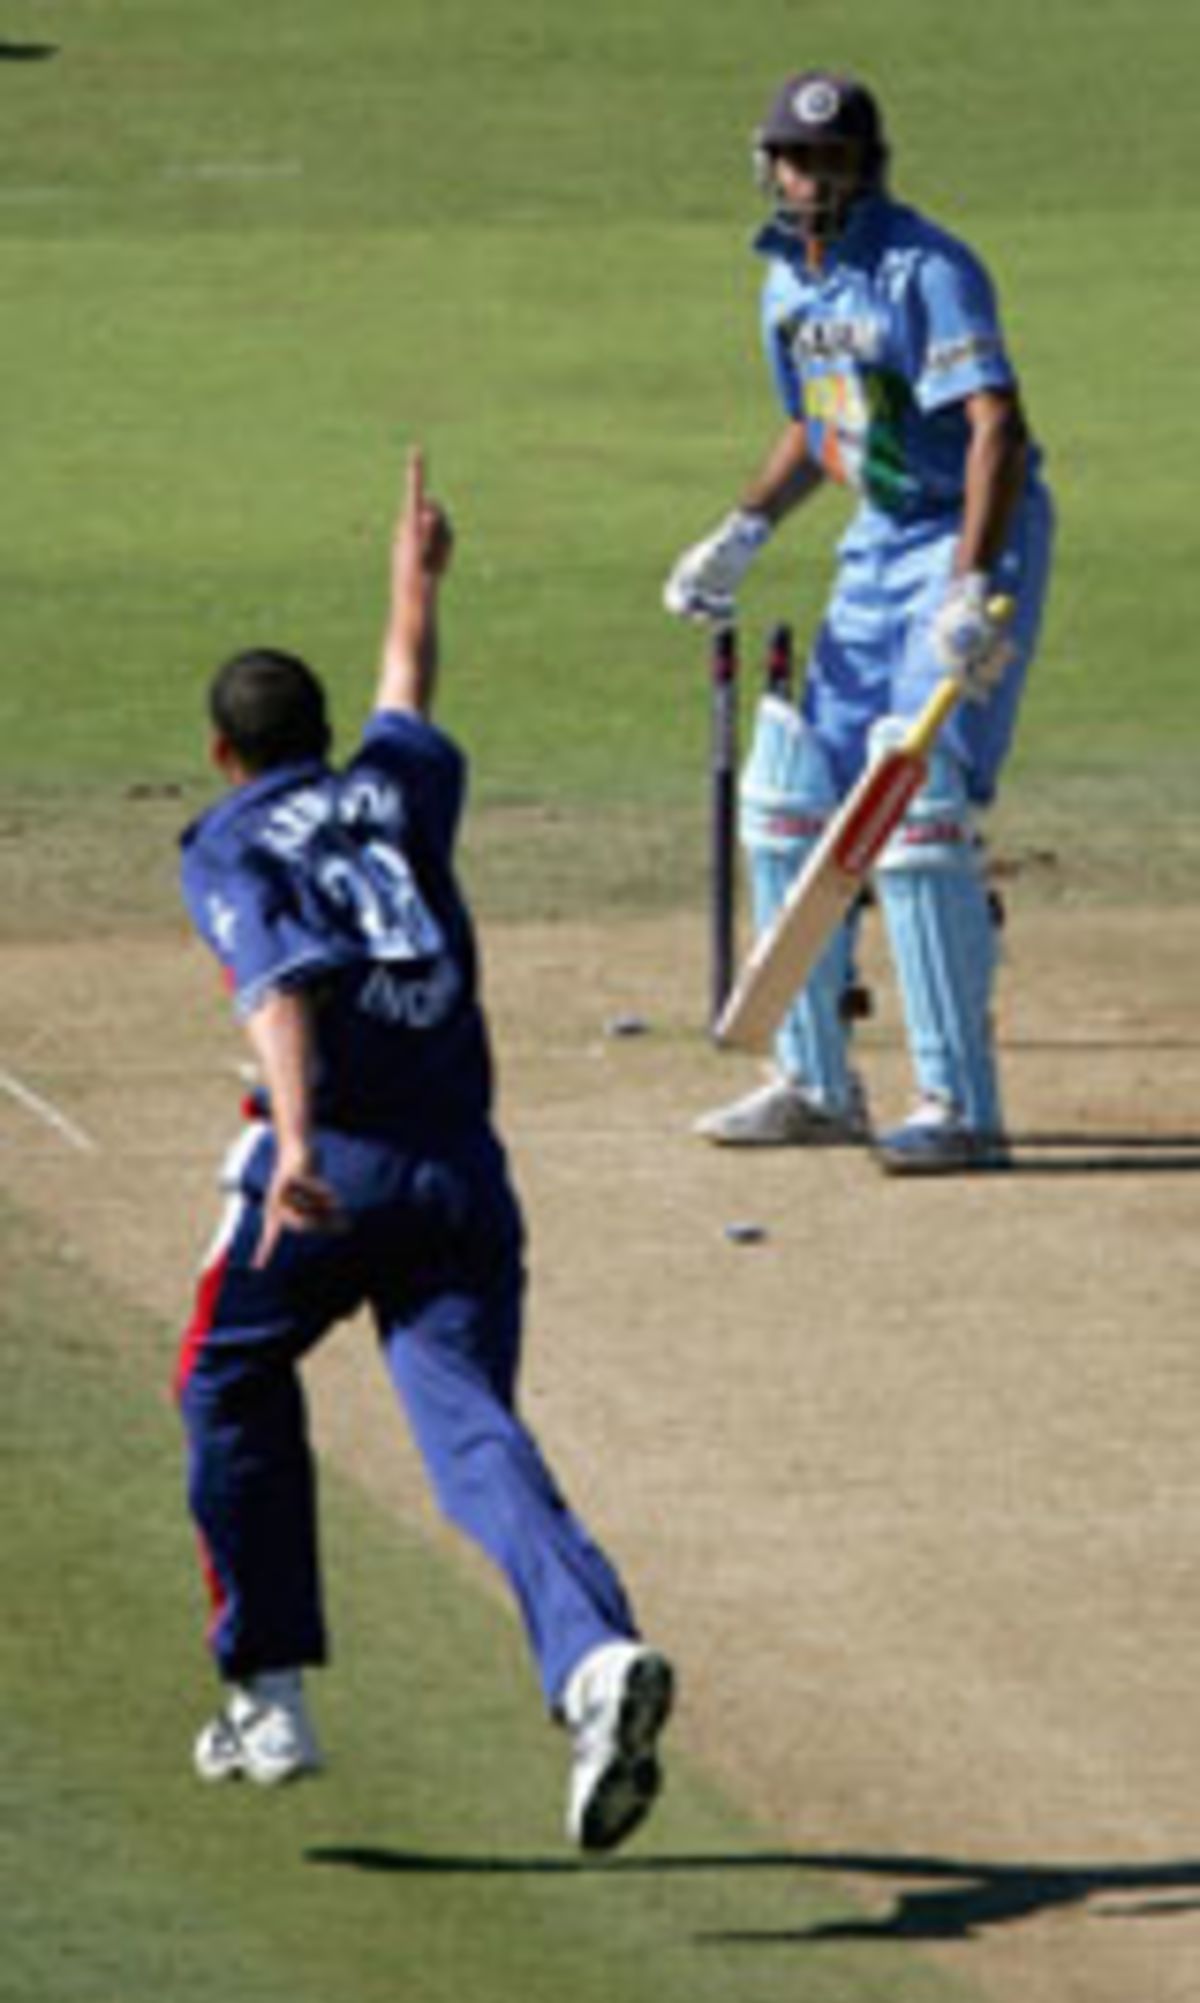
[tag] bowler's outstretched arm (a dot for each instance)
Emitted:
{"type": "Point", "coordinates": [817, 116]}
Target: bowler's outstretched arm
{"type": "Point", "coordinates": [421, 551]}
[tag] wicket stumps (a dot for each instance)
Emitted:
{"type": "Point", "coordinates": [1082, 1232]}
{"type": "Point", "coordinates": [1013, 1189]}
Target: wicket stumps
{"type": "Point", "coordinates": [723, 665]}
{"type": "Point", "coordinates": [779, 662]}
{"type": "Point", "coordinates": [777, 679]}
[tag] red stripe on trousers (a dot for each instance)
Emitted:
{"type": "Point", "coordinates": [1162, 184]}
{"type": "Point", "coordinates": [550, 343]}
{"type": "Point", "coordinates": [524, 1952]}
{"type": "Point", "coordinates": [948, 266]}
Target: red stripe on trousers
{"type": "Point", "coordinates": [204, 1313]}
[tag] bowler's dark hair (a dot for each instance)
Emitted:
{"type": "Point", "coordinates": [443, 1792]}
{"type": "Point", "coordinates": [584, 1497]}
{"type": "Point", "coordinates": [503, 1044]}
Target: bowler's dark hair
{"type": "Point", "coordinates": [271, 708]}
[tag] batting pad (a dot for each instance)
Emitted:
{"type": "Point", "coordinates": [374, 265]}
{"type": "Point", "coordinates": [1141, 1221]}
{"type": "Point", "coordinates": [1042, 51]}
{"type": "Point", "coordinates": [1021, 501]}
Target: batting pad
{"type": "Point", "coordinates": [787, 795]}
{"type": "Point", "coordinates": [943, 943]}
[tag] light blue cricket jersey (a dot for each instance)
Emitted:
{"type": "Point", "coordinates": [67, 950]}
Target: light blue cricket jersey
{"type": "Point", "coordinates": [876, 351]}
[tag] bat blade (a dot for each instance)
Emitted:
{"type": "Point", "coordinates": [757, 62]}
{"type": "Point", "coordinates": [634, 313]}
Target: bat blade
{"type": "Point", "coordinates": [786, 953]}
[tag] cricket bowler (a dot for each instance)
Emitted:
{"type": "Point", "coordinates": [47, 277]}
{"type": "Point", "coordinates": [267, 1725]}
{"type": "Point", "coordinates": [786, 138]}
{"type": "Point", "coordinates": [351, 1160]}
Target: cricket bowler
{"type": "Point", "coordinates": [885, 346]}
{"type": "Point", "coordinates": [369, 1175]}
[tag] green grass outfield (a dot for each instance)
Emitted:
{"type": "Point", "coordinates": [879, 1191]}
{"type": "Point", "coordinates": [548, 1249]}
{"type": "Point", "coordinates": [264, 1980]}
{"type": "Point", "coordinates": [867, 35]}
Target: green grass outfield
{"type": "Point", "coordinates": [248, 252]}
{"type": "Point", "coordinates": [427, 1865]}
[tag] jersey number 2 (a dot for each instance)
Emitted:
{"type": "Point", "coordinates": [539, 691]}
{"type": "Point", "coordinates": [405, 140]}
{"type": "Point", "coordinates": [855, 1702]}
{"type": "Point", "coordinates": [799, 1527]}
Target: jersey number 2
{"type": "Point", "coordinates": [377, 889]}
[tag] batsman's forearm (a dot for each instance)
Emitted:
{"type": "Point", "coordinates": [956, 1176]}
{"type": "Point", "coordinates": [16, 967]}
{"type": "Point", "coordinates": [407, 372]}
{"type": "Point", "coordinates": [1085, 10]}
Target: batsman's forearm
{"type": "Point", "coordinates": [786, 479]}
{"type": "Point", "coordinates": [997, 460]}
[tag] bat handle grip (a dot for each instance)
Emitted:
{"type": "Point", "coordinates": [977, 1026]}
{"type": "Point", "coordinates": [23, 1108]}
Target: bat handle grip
{"type": "Point", "coordinates": [920, 735]}
{"type": "Point", "coordinates": [946, 695]}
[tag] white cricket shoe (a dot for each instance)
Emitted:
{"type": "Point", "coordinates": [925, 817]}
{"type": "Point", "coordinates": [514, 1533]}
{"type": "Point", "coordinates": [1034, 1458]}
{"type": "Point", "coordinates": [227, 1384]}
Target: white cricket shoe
{"type": "Point", "coordinates": [935, 1140]}
{"type": "Point", "coordinates": [615, 1705]}
{"type": "Point", "coordinates": [264, 1733]}
{"type": "Point", "coordinates": [781, 1114]}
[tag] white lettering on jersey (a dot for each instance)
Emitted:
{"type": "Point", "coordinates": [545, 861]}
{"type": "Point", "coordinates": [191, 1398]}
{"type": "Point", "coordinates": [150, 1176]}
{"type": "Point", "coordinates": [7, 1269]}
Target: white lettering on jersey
{"type": "Point", "coordinates": [223, 919]}
{"type": "Point", "coordinates": [858, 339]}
{"type": "Point", "coordinates": [292, 825]}
{"type": "Point", "coordinates": [367, 801]}
{"type": "Point", "coordinates": [375, 887]}
{"type": "Point", "coordinates": [411, 1004]}
{"type": "Point", "coordinates": [370, 800]}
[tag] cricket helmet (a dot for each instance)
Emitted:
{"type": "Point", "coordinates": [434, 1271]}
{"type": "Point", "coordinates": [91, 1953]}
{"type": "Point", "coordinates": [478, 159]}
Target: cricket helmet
{"type": "Point", "coordinates": [821, 108]}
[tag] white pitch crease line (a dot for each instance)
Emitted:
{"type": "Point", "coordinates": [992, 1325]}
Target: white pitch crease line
{"type": "Point", "coordinates": [43, 1110]}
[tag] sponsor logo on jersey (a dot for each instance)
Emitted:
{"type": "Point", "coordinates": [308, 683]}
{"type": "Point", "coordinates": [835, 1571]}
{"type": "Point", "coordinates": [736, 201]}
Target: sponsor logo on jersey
{"type": "Point", "coordinates": [858, 338]}
{"type": "Point", "coordinates": [946, 356]}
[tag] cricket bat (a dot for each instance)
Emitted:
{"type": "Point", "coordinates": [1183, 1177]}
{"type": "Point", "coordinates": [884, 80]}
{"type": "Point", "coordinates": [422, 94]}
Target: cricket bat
{"type": "Point", "coordinates": [784, 956]}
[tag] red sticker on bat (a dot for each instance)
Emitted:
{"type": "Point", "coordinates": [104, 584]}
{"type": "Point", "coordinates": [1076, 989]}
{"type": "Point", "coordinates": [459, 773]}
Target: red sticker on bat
{"type": "Point", "coordinates": [867, 828]}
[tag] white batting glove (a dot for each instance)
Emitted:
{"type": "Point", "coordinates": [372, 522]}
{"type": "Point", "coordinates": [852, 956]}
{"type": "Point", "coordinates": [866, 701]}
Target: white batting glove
{"type": "Point", "coordinates": [706, 577]}
{"type": "Point", "coordinates": [970, 637]}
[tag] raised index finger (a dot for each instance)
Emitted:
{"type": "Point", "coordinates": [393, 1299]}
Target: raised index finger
{"type": "Point", "coordinates": [414, 482]}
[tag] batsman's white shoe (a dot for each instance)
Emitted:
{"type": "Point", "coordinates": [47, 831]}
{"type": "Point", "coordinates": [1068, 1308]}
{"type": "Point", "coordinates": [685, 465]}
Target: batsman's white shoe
{"type": "Point", "coordinates": [935, 1140]}
{"type": "Point", "coordinates": [615, 1705]}
{"type": "Point", "coordinates": [264, 1733]}
{"type": "Point", "coordinates": [780, 1114]}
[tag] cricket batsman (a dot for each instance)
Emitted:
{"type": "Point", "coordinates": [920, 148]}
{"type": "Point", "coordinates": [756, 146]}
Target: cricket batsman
{"type": "Point", "coordinates": [885, 346]}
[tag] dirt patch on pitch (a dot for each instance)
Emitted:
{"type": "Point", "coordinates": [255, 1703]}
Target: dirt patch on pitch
{"type": "Point", "coordinates": [908, 1481]}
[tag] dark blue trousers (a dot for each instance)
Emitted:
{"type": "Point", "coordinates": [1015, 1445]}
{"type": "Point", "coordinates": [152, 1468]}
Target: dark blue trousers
{"type": "Point", "coordinates": [432, 1245]}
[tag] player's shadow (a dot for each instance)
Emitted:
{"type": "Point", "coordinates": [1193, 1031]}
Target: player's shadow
{"type": "Point", "coordinates": [935, 1898]}
{"type": "Point", "coordinates": [938, 1899]}
{"type": "Point", "coordinates": [1100, 1151]}
{"type": "Point", "coordinates": [27, 52]}
{"type": "Point", "coordinates": [1118, 1153]}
